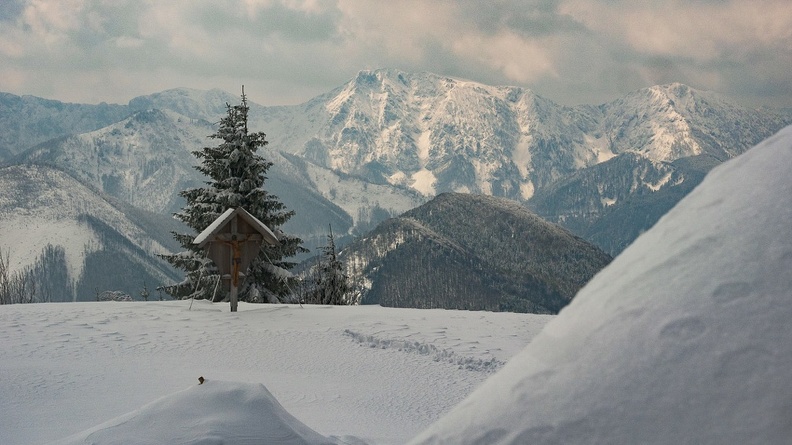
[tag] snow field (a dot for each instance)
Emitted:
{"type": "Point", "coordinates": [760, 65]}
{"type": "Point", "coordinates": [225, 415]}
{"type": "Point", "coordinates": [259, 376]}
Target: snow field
{"type": "Point", "coordinates": [379, 374]}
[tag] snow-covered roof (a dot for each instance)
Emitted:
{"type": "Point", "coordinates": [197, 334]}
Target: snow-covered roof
{"type": "Point", "coordinates": [221, 221]}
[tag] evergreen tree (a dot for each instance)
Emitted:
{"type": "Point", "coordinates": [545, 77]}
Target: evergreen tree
{"type": "Point", "coordinates": [237, 175]}
{"type": "Point", "coordinates": [331, 284]}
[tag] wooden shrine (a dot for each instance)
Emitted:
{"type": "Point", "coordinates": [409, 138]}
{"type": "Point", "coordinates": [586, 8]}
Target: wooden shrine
{"type": "Point", "coordinates": [233, 241]}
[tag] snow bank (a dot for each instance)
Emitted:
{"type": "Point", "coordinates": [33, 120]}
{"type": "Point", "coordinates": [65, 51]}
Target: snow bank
{"type": "Point", "coordinates": [212, 413]}
{"type": "Point", "coordinates": [684, 338]}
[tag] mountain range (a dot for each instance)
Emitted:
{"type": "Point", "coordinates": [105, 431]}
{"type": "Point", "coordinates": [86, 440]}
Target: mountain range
{"type": "Point", "coordinates": [387, 141]}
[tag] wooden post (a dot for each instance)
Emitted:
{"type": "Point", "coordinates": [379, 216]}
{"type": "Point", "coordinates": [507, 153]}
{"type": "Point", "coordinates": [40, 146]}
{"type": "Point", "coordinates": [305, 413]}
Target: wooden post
{"type": "Point", "coordinates": [233, 297]}
{"type": "Point", "coordinates": [235, 260]}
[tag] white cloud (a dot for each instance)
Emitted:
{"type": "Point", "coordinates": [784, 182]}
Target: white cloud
{"type": "Point", "coordinates": [675, 28]}
{"type": "Point", "coordinates": [395, 30]}
{"type": "Point", "coordinates": [519, 59]}
{"type": "Point", "coordinates": [733, 46]}
{"type": "Point", "coordinates": [573, 51]}
{"type": "Point", "coordinates": [50, 22]}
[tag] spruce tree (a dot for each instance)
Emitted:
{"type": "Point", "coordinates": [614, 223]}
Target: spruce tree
{"type": "Point", "coordinates": [237, 174]}
{"type": "Point", "coordinates": [331, 284]}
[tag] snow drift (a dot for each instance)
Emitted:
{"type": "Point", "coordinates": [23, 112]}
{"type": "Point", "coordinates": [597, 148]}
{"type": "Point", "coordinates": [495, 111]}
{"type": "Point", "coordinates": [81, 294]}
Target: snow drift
{"type": "Point", "coordinates": [212, 413]}
{"type": "Point", "coordinates": [684, 338]}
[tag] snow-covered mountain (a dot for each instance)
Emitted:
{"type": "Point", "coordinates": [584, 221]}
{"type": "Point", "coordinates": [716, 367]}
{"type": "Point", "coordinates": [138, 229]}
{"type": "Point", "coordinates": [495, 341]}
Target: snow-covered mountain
{"type": "Point", "coordinates": [436, 134]}
{"type": "Point", "coordinates": [613, 202]}
{"type": "Point", "coordinates": [474, 252]}
{"type": "Point", "coordinates": [144, 159]}
{"type": "Point", "coordinates": [413, 135]}
{"type": "Point", "coordinates": [196, 104]}
{"type": "Point", "coordinates": [27, 120]}
{"type": "Point", "coordinates": [669, 122]}
{"type": "Point", "coordinates": [681, 339]}
{"type": "Point", "coordinates": [388, 141]}
{"type": "Point", "coordinates": [75, 240]}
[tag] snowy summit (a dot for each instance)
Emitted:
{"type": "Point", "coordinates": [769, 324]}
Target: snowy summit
{"type": "Point", "coordinates": [684, 338]}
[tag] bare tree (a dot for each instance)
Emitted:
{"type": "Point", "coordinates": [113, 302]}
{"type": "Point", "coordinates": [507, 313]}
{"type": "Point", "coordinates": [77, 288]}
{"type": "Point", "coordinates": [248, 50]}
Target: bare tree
{"type": "Point", "coordinates": [17, 287]}
{"type": "Point", "coordinates": [5, 279]}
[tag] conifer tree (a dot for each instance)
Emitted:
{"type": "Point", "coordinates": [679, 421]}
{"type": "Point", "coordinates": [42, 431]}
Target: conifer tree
{"type": "Point", "coordinates": [237, 174]}
{"type": "Point", "coordinates": [331, 284]}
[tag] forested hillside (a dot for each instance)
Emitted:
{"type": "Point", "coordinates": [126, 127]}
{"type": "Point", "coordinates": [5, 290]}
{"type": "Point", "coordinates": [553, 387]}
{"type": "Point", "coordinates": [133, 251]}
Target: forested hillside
{"type": "Point", "coordinates": [477, 252]}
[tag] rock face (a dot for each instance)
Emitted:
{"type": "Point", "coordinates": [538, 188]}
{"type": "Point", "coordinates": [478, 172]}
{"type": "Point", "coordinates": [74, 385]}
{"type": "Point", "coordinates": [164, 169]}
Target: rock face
{"type": "Point", "coordinates": [682, 339]}
{"type": "Point", "coordinates": [462, 251]}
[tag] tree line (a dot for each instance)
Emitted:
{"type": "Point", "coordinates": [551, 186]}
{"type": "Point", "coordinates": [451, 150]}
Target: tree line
{"type": "Point", "coordinates": [45, 280]}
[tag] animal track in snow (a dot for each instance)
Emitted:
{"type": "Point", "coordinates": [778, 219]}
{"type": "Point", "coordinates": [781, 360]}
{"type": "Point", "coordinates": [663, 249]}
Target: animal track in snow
{"type": "Point", "coordinates": [437, 354]}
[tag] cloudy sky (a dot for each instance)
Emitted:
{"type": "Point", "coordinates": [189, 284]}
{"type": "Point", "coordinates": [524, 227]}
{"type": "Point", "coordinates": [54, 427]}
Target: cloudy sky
{"type": "Point", "coordinates": [287, 51]}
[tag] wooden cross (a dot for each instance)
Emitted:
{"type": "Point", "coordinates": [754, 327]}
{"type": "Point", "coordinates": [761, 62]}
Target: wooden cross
{"type": "Point", "coordinates": [233, 241]}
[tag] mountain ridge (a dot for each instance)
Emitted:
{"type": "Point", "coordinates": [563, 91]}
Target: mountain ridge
{"type": "Point", "coordinates": [476, 252]}
{"type": "Point", "coordinates": [34, 120]}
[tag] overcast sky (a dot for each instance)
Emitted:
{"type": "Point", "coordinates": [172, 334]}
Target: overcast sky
{"type": "Point", "coordinates": [287, 51]}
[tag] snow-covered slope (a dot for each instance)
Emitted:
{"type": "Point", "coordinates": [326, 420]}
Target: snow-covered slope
{"type": "Point", "coordinates": [377, 373]}
{"type": "Point", "coordinates": [41, 206]}
{"type": "Point", "coordinates": [144, 160]}
{"type": "Point", "coordinates": [682, 339]}
{"type": "Point", "coordinates": [28, 120]}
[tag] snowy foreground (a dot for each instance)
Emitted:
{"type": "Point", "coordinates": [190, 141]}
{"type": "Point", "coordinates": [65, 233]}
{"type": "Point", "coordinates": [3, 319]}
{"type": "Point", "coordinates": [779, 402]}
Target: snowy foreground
{"type": "Point", "coordinates": [379, 374]}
